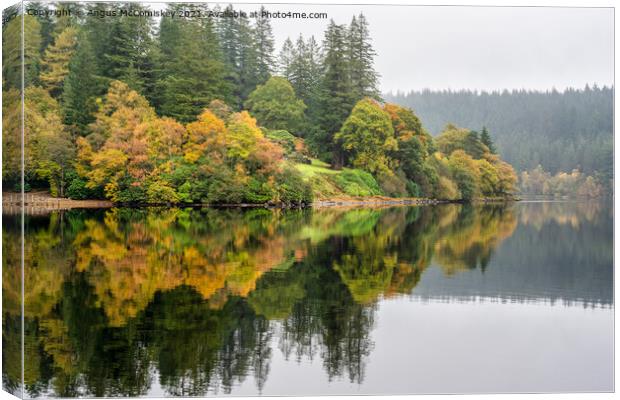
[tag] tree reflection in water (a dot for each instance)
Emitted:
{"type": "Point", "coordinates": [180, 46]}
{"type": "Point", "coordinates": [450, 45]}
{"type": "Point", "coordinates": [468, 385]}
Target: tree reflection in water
{"type": "Point", "coordinates": [198, 299]}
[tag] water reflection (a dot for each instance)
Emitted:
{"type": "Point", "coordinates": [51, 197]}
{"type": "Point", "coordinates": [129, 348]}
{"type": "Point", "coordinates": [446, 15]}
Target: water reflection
{"type": "Point", "coordinates": [128, 302]}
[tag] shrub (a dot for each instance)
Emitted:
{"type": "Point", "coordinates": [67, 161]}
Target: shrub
{"type": "Point", "coordinates": [292, 189]}
{"type": "Point", "coordinates": [355, 182]}
{"type": "Point", "coordinates": [283, 138]}
{"type": "Point", "coordinates": [393, 185]}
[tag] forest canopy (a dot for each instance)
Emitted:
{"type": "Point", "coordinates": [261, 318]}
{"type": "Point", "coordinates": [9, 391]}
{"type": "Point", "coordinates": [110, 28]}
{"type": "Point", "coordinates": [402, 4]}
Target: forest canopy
{"type": "Point", "coordinates": [116, 110]}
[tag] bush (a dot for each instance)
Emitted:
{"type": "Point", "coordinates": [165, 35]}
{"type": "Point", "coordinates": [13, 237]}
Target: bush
{"type": "Point", "coordinates": [292, 189]}
{"type": "Point", "coordinates": [18, 187]}
{"type": "Point", "coordinates": [393, 185]}
{"type": "Point", "coordinates": [283, 138]}
{"type": "Point", "coordinates": [413, 190]}
{"type": "Point", "coordinates": [77, 189]}
{"type": "Point", "coordinates": [258, 192]}
{"type": "Point", "coordinates": [447, 189]}
{"type": "Point", "coordinates": [355, 182]}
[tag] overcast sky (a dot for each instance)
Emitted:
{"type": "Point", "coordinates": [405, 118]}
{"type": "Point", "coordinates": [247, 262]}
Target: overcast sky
{"type": "Point", "coordinates": [454, 47]}
{"type": "Point", "coordinates": [475, 47]}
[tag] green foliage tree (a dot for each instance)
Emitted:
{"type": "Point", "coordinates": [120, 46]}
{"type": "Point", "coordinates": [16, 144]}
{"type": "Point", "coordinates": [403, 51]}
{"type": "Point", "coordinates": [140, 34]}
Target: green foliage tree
{"type": "Point", "coordinates": [264, 47]}
{"type": "Point", "coordinates": [485, 138]}
{"type": "Point", "coordinates": [12, 51]}
{"type": "Point", "coordinates": [335, 97]}
{"type": "Point", "coordinates": [81, 86]}
{"type": "Point", "coordinates": [361, 54]}
{"type": "Point", "coordinates": [285, 59]}
{"type": "Point", "coordinates": [275, 105]}
{"type": "Point", "coordinates": [130, 52]}
{"type": "Point", "coordinates": [367, 136]}
{"type": "Point", "coordinates": [192, 71]}
{"type": "Point", "coordinates": [304, 74]}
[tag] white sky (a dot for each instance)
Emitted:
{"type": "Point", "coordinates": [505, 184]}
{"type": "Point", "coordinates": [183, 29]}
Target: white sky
{"type": "Point", "coordinates": [478, 47]}
{"type": "Point", "coordinates": [454, 47]}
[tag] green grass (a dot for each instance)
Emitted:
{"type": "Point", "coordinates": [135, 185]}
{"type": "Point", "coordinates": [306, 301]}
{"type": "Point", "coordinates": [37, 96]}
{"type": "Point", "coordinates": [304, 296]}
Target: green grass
{"type": "Point", "coordinates": [316, 167]}
{"type": "Point", "coordinates": [327, 182]}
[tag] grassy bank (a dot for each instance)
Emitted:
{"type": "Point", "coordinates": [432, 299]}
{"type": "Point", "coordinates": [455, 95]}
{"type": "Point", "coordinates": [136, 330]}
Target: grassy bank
{"type": "Point", "coordinates": [328, 183]}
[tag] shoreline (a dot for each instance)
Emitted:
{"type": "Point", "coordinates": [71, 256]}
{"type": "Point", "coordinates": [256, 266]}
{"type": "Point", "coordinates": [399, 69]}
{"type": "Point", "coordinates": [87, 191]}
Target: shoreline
{"type": "Point", "coordinates": [43, 202]}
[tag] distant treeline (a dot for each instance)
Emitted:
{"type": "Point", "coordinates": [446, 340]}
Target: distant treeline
{"type": "Point", "coordinates": [560, 131]}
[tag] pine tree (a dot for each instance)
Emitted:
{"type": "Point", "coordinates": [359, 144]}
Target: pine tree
{"type": "Point", "coordinates": [192, 71]}
{"type": "Point", "coordinates": [264, 47]}
{"type": "Point", "coordinates": [55, 63]}
{"type": "Point", "coordinates": [313, 56]}
{"type": "Point", "coordinates": [46, 20]}
{"type": "Point", "coordinates": [299, 70]}
{"type": "Point", "coordinates": [228, 32]}
{"type": "Point", "coordinates": [81, 86]}
{"type": "Point", "coordinates": [248, 68]}
{"type": "Point", "coordinates": [129, 59]}
{"type": "Point", "coordinates": [364, 78]}
{"type": "Point", "coordinates": [305, 77]}
{"type": "Point", "coordinates": [485, 138]}
{"type": "Point", "coordinates": [286, 57]}
{"type": "Point", "coordinates": [335, 98]}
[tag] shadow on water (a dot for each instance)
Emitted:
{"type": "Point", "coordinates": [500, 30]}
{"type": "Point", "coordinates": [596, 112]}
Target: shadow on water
{"type": "Point", "coordinates": [194, 301]}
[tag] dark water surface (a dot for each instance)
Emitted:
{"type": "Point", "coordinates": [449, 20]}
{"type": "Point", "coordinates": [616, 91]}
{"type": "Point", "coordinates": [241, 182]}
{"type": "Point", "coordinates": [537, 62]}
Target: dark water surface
{"type": "Point", "coordinates": [435, 299]}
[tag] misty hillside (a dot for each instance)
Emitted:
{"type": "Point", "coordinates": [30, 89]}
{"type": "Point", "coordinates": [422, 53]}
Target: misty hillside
{"type": "Point", "coordinates": [559, 130]}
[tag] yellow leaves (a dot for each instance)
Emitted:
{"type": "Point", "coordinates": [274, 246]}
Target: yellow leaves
{"type": "Point", "coordinates": [192, 154]}
{"type": "Point", "coordinates": [121, 112]}
{"type": "Point", "coordinates": [55, 63]}
{"type": "Point", "coordinates": [207, 134]}
{"type": "Point", "coordinates": [164, 138]}
{"type": "Point", "coordinates": [244, 135]}
{"type": "Point", "coordinates": [107, 162]}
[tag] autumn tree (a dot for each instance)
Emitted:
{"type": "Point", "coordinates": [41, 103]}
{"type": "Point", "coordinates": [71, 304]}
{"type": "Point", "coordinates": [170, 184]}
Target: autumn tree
{"type": "Point", "coordinates": [115, 156]}
{"type": "Point", "coordinates": [48, 148]}
{"type": "Point", "coordinates": [465, 173]}
{"type": "Point", "coordinates": [55, 63]}
{"type": "Point", "coordinates": [367, 136]}
{"type": "Point", "coordinates": [414, 148]}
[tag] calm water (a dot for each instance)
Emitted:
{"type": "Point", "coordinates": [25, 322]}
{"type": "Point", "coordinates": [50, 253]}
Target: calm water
{"type": "Point", "coordinates": [437, 299]}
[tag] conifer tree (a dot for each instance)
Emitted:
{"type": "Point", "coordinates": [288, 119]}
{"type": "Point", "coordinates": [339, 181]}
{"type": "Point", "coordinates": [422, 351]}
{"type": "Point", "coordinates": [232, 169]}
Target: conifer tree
{"type": "Point", "coordinates": [264, 47]}
{"type": "Point", "coordinates": [485, 138]}
{"type": "Point", "coordinates": [335, 98]}
{"type": "Point", "coordinates": [81, 86]}
{"type": "Point", "coordinates": [247, 64]}
{"type": "Point", "coordinates": [129, 58]}
{"type": "Point", "coordinates": [364, 78]}
{"type": "Point", "coordinates": [305, 75]}
{"type": "Point", "coordinates": [192, 71]}
{"type": "Point", "coordinates": [285, 60]}
{"type": "Point", "coordinates": [55, 63]}
{"type": "Point", "coordinates": [46, 21]}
